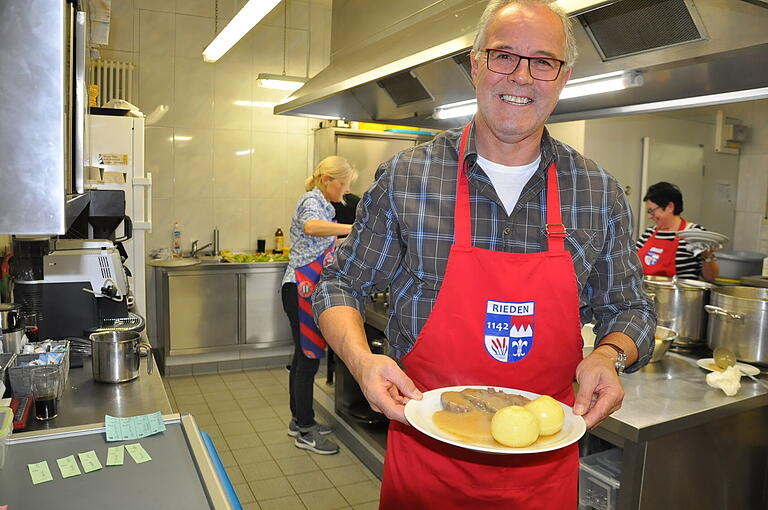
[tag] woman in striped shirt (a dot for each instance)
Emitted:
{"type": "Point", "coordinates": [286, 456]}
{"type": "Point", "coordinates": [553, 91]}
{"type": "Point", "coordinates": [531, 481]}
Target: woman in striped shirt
{"type": "Point", "coordinates": [661, 251]}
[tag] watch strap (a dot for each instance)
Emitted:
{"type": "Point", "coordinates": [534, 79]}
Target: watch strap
{"type": "Point", "coordinates": [621, 361]}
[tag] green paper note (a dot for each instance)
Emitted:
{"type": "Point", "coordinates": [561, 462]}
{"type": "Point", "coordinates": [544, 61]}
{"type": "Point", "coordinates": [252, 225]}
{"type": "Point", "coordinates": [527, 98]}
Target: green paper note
{"type": "Point", "coordinates": [138, 453]}
{"type": "Point", "coordinates": [90, 461]}
{"type": "Point", "coordinates": [115, 456]}
{"type": "Point", "coordinates": [68, 466]}
{"type": "Point", "coordinates": [40, 472]}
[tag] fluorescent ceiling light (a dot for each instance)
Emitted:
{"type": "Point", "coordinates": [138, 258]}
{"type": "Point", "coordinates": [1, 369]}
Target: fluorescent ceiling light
{"type": "Point", "coordinates": [251, 13]}
{"type": "Point", "coordinates": [601, 83]}
{"type": "Point", "coordinates": [256, 104]}
{"type": "Point", "coordinates": [280, 81]}
{"type": "Point", "coordinates": [598, 84]}
{"type": "Point", "coordinates": [180, 138]}
{"type": "Point", "coordinates": [244, 153]}
{"type": "Point", "coordinates": [460, 109]}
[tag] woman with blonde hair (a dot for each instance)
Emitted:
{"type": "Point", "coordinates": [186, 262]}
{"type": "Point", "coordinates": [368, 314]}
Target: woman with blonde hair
{"type": "Point", "coordinates": [313, 240]}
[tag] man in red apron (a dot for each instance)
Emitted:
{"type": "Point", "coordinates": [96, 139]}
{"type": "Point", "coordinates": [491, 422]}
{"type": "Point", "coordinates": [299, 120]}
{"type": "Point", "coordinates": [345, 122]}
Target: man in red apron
{"type": "Point", "coordinates": [519, 69]}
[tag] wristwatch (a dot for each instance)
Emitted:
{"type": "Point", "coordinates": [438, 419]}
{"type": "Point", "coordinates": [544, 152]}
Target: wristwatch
{"type": "Point", "coordinates": [621, 361]}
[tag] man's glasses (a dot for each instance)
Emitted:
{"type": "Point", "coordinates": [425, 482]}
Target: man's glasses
{"type": "Point", "coordinates": [651, 211]}
{"type": "Point", "coordinates": [540, 68]}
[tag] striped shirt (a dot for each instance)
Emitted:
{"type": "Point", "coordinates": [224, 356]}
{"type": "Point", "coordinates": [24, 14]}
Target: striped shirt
{"type": "Point", "coordinates": [312, 205]}
{"type": "Point", "coordinates": [404, 232]}
{"type": "Point", "coordinates": [687, 265]}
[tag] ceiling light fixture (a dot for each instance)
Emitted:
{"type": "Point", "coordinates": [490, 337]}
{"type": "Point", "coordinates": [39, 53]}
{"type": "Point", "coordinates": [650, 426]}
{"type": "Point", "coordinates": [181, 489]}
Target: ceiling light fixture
{"type": "Point", "coordinates": [256, 104]}
{"type": "Point", "coordinates": [598, 84]}
{"type": "Point", "coordinates": [282, 81]}
{"type": "Point", "coordinates": [251, 13]}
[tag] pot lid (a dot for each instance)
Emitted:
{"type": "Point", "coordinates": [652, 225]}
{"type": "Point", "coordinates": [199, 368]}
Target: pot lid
{"type": "Point", "coordinates": [678, 283]}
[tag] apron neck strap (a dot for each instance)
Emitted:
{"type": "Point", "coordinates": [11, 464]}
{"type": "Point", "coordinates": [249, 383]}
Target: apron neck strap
{"type": "Point", "coordinates": [462, 221]}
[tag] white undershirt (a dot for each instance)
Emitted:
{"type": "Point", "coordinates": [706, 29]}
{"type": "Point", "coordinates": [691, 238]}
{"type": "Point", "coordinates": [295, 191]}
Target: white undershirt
{"type": "Point", "coordinates": [508, 181]}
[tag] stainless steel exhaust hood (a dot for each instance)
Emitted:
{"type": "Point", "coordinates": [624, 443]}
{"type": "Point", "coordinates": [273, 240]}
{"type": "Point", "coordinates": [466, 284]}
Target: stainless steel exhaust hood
{"type": "Point", "coordinates": [683, 48]}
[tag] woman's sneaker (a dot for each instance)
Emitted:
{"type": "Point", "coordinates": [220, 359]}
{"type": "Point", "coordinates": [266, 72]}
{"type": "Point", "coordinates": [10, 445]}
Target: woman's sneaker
{"type": "Point", "coordinates": [313, 441]}
{"type": "Point", "coordinates": [293, 428]}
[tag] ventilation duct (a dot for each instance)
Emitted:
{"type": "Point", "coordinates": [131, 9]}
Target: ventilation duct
{"type": "Point", "coordinates": [632, 27]}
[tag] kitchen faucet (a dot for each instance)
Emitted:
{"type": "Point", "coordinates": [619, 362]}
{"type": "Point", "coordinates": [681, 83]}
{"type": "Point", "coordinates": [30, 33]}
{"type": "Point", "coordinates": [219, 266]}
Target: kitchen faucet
{"type": "Point", "coordinates": [195, 250]}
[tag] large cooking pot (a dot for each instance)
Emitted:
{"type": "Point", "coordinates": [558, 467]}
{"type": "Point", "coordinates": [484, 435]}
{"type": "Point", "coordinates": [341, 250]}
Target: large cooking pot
{"type": "Point", "coordinates": [738, 320]}
{"type": "Point", "coordinates": [679, 305]}
{"type": "Point", "coordinates": [117, 355]}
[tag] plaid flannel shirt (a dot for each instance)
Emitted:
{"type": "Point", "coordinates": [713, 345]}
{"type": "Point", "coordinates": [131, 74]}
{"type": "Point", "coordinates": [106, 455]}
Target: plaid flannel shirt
{"type": "Point", "coordinates": [404, 231]}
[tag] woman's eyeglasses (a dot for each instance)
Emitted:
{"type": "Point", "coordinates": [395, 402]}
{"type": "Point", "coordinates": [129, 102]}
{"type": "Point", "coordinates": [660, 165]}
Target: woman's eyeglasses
{"type": "Point", "coordinates": [651, 211]}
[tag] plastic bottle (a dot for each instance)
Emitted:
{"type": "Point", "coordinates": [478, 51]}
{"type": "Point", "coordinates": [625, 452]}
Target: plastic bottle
{"type": "Point", "coordinates": [278, 241]}
{"type": "Point", "coordinates": [177, 239]}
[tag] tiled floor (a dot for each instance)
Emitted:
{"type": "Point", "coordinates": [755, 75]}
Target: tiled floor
{"type": "Point", "coordinates": [246, 414]}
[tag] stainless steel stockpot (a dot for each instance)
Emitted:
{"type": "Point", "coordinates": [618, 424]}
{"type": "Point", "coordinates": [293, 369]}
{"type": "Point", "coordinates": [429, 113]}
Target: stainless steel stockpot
{"type": "Point", "coordinates": [738, 320]}
{"type": "Point", "coordinates": [679, 305]}
{"type": "Point", "coordinates": [117, 356]}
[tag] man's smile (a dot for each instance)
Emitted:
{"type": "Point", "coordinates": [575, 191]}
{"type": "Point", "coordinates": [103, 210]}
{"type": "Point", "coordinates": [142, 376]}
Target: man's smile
{"type": "Point", "coordinates": [516, 100]}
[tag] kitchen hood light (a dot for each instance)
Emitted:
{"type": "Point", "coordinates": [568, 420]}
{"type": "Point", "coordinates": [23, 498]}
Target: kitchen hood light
{"type": "Point", "coordinates": [280, 81]}
{"type": "Point", "coordinates": [246, 19]}
{"type": "Point", "coordinates": [601, 83]}
{"type": "Point", "coordinates": [460, 109]}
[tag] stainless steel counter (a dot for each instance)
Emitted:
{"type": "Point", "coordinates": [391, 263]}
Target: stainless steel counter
{"type": "Point", "coordinates": [376, 315]}
{"type": "Point", "coordinates": [86, 401]}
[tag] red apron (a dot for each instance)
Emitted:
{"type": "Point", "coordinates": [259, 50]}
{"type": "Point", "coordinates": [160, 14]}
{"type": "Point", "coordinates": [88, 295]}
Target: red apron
{"type": "Point", "coordinates": [500, 319]}
{"type": "Point", "coordinates": [658, 255]}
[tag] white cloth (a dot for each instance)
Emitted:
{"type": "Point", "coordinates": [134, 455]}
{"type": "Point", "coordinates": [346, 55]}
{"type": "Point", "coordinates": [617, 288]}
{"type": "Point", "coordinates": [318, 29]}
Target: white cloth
{"type": "Point", "coordinates": [508, 181]}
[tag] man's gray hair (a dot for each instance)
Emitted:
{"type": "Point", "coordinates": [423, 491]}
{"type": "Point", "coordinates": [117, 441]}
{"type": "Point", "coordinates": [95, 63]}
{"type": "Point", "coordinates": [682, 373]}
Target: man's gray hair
{"type": "Point", "coordinates": [495, 6]}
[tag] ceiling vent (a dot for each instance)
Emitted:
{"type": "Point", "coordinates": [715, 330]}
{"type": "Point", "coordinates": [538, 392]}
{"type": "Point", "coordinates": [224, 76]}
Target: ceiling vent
{"type": "Point", "coordinates": [404, 88]}
{"type": "Point", "coordinates": [631, 27]}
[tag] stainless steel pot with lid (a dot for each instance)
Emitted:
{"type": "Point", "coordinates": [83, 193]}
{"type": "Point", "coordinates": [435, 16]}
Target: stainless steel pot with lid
{"type": "Point", "coordinates": [738, 320]}
{"type": "Point", "coordinates": [117, 356]}
{"type": "Point", "coordinates": [679, 305]}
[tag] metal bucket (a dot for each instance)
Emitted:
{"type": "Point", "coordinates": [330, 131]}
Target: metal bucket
{"type": "Point", "coordinates": [679, 305]}
{"type": "Point", "coordinates": [738, 320]}
{"type": "Point", "coordinates": [117, 356]}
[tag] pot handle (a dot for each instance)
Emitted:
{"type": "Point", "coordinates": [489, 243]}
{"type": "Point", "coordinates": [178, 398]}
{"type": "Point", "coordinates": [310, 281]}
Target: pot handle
{"type": "Point", "coordinates": [148, 348]}
{"type": "Point", "coordinates": [716, 310]}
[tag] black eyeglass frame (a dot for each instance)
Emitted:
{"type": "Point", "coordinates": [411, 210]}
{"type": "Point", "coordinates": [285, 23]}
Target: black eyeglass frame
{"type": "Point", "coordinates": [520, 59]}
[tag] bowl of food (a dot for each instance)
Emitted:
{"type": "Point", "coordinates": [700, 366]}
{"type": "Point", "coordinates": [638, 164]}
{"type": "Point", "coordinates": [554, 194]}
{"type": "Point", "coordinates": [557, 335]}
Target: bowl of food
{"type": "Point", "coordinates": [664, 337]}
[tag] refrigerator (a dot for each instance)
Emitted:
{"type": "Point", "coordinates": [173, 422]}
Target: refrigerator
{"type": "Point", "coordinates": [115, 160]}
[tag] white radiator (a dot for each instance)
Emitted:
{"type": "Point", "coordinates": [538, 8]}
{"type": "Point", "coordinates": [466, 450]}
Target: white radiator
{"type": "Point", "coordinates": [114, 79]}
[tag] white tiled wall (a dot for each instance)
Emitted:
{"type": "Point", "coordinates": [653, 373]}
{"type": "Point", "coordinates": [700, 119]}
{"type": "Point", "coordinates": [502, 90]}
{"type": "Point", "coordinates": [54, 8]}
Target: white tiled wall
{"type": "Point", "coordinates": [752, 195]}
{"type": "Point", "coordinates": [215, 163]}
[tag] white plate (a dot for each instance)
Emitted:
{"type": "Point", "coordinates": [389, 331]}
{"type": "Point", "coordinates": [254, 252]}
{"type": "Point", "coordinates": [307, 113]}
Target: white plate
{"type": "Point", "coordinates": [419, 414]}
{"type": "Point", "coordinates": [702, 235]}
{"type": "Point", "coordinates": [709, 363]}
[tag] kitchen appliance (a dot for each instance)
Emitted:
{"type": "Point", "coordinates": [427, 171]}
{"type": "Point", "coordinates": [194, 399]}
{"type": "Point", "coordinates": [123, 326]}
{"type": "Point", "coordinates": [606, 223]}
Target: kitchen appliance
{"type": "Point", "coordinates": [83, 285]}
{"type": "Point", "coordinates": [43, 103]}
{"type": "Point", "coordinates": [679, 305]}
{"type": "Point", "coordinates": [738, 320]}
{"type": "Point", "coordinates": [117, 355]}
{"type": "Point", "coordinates": [11, 330]}
{"type": "Point", "coordinates": [735, 264]}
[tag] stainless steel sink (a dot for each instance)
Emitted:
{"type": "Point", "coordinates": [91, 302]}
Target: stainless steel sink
{"type": "Point", "coordinates": [178, 262]}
